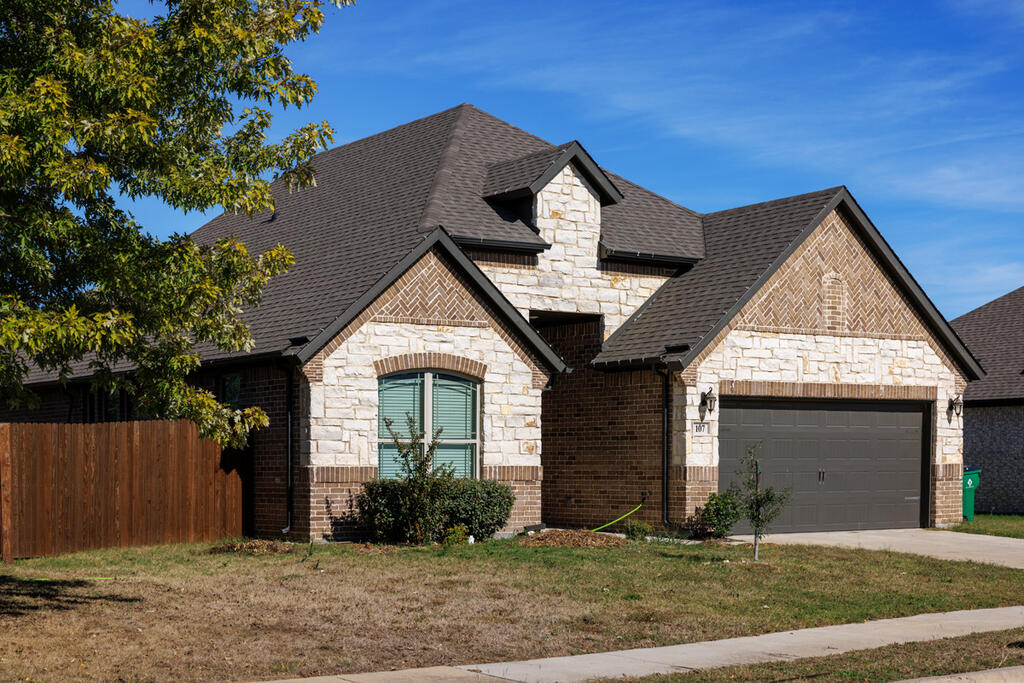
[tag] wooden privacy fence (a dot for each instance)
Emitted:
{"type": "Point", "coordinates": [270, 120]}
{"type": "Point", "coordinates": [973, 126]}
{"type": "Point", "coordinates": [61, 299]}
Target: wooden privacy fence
{"type": "Point", "coordinates": [69, 487]}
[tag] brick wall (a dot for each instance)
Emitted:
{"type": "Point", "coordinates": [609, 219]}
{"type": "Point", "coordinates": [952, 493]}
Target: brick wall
{"type": "Point", "coordinates": [994, 441]}
{"type": "Point", "coordinates": [56, 404]}
{"type": "Point", "coordinates": [266, 386]}
{"type": "Point", "coordinates": [602, 437]}
{"type": "Point", "coordinates": [329, 495]}
{"type": "Point", "coordinates": [946, 501]}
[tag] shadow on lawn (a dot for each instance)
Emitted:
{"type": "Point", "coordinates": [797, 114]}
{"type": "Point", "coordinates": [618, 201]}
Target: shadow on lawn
{"type": "Point", "coordinates": [21, 596]}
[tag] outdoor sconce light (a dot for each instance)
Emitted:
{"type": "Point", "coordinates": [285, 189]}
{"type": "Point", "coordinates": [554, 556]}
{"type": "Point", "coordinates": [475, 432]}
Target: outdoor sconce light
{"type": "Point", "coordinates": [708, 400]}
{"type": "Point", "coordinates": [956, 405]}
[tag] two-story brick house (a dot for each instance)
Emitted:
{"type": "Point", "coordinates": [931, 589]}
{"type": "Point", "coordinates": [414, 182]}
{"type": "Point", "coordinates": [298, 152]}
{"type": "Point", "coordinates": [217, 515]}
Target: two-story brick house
{"type": "Point", "coordinates": [585, 340]}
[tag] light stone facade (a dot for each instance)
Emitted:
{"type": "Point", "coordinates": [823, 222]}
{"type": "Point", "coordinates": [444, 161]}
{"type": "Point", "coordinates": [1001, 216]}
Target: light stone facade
{"type": "Point", "coordinates": [343, 405]}
{"type": "Point", "coordinates": [431, 313]}
{"type": "Point", "coordinates": [752, 356]}
{"type": "Point", "coordinates": [569, 277]}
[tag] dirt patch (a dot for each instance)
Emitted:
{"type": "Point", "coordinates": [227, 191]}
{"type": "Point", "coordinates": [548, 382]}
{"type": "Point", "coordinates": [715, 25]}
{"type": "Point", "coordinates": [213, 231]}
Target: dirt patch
{"type": "Point", "coordinates": [254, 547]}
{"type": "Point", "coordinates": [572, 538]}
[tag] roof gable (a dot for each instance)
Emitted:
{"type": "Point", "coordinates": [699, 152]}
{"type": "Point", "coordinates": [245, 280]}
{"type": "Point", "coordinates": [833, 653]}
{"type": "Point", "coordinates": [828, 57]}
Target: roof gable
{"type": "Point", "coordinates": [440, 240]}
{"type": "Point", "coordinates": [528, 175]}
{"type": "Point", "coordinates": [995, 334]}
{"type": "Point", "coordinates": [745, 247]}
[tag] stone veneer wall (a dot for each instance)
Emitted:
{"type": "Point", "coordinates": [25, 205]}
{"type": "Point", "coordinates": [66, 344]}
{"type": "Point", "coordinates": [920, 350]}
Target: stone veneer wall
{"type": "Point", "coordinates": [828, 324]}
{"type": "Point", "coordinates": [569, 277]}
{"type": "Point", "coordinates": [994, 441]}
{"type": "Point", "coordinates": [430, 318]}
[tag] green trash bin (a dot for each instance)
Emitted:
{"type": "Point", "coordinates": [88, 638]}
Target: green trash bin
{"type": "Point", "coordinates": [972, 478]}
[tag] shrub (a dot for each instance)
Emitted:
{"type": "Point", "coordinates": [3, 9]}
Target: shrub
{"type": "Point", "coordinates": [638, 531]}
{"type": "Point", "coordinates": [425, 503]}
{"type": "Point", "coordinates": [480, 505]}
{"type": "Point", "coordinates": [715, 519]}
{"type": "Point", "coordinates": [455, 535]}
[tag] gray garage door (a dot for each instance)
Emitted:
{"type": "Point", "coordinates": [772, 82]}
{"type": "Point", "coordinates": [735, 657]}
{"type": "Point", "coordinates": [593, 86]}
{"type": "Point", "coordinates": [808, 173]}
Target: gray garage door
{"type": "Point", "coordinates": [848, 465]}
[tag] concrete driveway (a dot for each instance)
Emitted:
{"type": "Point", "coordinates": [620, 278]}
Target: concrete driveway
{"type": "Point", "coordinates": [945, 545]}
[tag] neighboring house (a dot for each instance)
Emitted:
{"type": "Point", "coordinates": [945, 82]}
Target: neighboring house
{"type": "Point", "coordinates": [994, 410]}
{"type": "Point", "coordinates": [584, 340]}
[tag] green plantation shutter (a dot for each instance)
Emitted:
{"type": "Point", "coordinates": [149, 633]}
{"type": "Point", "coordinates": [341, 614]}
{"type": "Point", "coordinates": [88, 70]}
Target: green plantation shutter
{"type": "Point", "coordinates": [388, 464]}
{"type": "Point", "coordinates": [399, 396]}
{"type": "Point", "coordinates": [460, 456]}
{"type": "Point", "coordinates": [454, 407]}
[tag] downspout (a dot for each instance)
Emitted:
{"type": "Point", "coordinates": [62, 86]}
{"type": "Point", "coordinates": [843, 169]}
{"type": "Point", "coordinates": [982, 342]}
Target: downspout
{"type": "Point", "coordinates": [289, 410]}
{"type": "Point", "coordinates": [664, 443]}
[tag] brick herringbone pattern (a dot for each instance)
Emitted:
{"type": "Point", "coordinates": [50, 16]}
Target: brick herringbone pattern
{"type": "Point", "coordinates": [432, 293]}
{"type": "Point", "coordinates": [834, 283]}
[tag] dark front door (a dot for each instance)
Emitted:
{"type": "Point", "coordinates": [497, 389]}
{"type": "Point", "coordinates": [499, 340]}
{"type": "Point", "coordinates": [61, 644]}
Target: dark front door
{"type": "Point", "coordinates": [847, 465]}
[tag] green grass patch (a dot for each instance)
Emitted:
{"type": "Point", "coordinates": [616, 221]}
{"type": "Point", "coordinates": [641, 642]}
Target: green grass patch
{"type": "Point", "coordinates": [994, 525]}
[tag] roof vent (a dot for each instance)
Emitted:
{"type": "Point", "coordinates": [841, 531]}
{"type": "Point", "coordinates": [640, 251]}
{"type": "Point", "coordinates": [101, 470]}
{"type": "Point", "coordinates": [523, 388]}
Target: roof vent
{"type": "Point", "coordinates": [298, 341]}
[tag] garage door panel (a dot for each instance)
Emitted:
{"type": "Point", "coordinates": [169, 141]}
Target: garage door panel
{"type": "Point", "coordinates": [871, 458]}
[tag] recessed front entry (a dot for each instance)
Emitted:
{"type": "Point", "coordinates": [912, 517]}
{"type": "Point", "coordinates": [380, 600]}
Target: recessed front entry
{"type": "Point", "coordinates": [848, 465]}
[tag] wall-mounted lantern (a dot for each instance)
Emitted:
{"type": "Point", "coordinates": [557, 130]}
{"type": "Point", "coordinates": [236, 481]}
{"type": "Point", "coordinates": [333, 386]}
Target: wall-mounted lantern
{"type": "Point", "coordinates": [956, 406]}
{"type": "Point", "coordinates": [708, 399]}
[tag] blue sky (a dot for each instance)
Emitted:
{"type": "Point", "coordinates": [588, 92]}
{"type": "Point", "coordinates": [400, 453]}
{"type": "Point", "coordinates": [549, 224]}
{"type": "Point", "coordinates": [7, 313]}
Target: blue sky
{"type": "Point", "coordinates": [917, 107]}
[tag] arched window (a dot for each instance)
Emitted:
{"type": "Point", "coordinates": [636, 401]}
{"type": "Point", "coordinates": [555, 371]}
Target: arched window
{"type": "Point", "coordinates": [436, 401]}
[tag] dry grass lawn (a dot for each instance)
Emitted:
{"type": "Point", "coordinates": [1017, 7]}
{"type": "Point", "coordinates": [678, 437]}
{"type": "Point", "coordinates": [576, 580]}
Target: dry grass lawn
{"type": "Point", "coordinates": [978, 652]}
{"type": "Point", "coordinates": [182, 613]}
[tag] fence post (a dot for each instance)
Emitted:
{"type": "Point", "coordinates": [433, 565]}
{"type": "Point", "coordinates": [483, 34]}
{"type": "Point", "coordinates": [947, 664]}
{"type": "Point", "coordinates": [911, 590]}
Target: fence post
{"type": "Point", "coordinates": [6, 496]}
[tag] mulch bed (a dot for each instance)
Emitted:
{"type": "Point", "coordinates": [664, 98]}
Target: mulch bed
{"type": "Point", "coordinates": [572, 538]}
{"type": "Point", "coordinates": [254, 547]}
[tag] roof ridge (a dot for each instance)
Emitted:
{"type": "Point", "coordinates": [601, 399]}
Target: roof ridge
{"type": "Point", "coordinates": [514, 127]}
{"type": "Point", "coordinates": [988, 304]}
{"type": "Point", "coordinates": [833, 190]}
{"type": "Point", "coordinates": [548, 150]}
{"type": "Point", "coordinates": [433, 208]}
{"type": "Point", "coordinates": [651, 192]}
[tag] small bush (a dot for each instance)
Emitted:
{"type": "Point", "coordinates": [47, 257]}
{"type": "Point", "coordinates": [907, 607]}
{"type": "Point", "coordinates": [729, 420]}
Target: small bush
{"type": "Point", "coordinates": [455, 535]}
{"type": "Point", "coordinates": [425, 502]}
{"type": "Point", "coordinates": [638, 531]}
{"type": "Point", "coordinates": [716, 518]}
{"type": "Point", "coordinates": [480, 505]}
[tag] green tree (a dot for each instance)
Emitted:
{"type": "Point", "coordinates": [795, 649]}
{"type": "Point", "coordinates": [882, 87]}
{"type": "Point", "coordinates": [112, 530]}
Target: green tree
{"type": "Point", "coordinates": [759, 505]}
{"type": "Point", "coordinates": [95, 105]}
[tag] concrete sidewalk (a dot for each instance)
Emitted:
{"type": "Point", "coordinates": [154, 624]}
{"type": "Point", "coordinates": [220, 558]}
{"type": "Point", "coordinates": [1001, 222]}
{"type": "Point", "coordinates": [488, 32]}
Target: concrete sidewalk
{"type": "Point", "coordinates": [944, 545]}
{"type": "Point", "coordinates": [770, 647]}
{"type": "Point", "coordinates": [812, 642]}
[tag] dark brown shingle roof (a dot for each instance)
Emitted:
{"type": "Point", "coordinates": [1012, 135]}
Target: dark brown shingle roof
{"type": "Point", "coordinates": [995, 334]}
{"type": "Point", "coordinates": [378, 197]}
{"type": "Point", "coordinates": [741, 245]}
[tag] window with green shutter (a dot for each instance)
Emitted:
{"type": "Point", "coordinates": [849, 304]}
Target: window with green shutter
{"type": "Point", "coordinates": [436, 401]}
